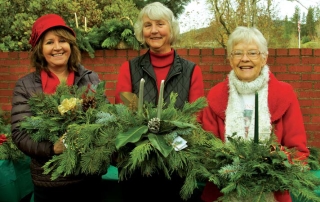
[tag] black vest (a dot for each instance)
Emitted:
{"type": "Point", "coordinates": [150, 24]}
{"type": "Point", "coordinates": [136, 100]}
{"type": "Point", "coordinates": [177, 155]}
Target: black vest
{"type": "Point", "coordinates": [178, 79]}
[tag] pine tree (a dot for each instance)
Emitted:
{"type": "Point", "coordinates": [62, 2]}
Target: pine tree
{"type": "Point", "coordinates": [310, 24]}
{"type": "Point", "coordinates": [176, 6]}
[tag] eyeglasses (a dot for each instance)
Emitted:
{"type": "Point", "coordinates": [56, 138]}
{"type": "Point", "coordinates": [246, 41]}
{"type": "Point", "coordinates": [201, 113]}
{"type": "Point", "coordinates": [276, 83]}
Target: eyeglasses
{"type": "Point", "coordinates": [252, 54]}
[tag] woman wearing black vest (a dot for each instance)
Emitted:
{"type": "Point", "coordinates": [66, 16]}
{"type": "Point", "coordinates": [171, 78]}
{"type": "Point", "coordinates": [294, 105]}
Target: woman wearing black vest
{"type": "Point", "coordinates": [157, 28]}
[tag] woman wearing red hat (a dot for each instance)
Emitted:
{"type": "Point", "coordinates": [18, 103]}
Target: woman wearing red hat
{"type": "Point", "coordinates": [56, 58]}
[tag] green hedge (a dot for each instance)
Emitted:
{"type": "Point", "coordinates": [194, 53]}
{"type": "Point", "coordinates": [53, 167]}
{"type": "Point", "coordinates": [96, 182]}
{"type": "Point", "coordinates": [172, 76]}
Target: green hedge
{"type": "Point", "coordinates": [105, 24]}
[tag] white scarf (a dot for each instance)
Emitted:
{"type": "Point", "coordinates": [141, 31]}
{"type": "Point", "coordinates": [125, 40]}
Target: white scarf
{"type": "Point", "coordinates": [234, 113]}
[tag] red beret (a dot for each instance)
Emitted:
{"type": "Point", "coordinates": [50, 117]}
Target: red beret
{"type": "Point", "coordinates": [44, 23]}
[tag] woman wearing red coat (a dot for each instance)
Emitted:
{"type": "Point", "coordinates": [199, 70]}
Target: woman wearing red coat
{"type": "Point", "coordinates": [231, 102]}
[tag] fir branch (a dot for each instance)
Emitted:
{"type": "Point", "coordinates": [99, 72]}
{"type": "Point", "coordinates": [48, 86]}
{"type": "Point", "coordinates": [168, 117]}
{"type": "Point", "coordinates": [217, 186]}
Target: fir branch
{"type": "Point", "coordinates": [8, 150]}
{"type": "Point", "coordinates": [89, 133]}
{"type": "Point", "coordinates": [239, 166]}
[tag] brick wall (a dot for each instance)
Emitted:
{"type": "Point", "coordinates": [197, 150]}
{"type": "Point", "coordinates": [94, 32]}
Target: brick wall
{"type": "Point", "coordinates": [299, 67]}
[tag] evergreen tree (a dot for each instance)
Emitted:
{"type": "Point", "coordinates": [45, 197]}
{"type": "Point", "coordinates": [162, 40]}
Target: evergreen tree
{"type": "Point", "coordinates": [310, 24]}
{"type": "Point", "coordinates": [287, 28]}
{"type": "Point", "coordinates": [303, 30]}
{"type": "Point", "coordinates": [177, 6]}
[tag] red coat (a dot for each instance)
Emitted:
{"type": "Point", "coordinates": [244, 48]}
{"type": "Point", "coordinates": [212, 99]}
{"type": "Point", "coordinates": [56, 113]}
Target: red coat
{"type": "Point", "coordinates": [286, 118]}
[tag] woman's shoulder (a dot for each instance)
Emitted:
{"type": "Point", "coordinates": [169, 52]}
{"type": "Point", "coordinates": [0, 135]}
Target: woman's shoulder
{"type": "Point", "coordinates": [219, 89]}
{"type": "Point", "coordinates": [279, 88]}
{"type": "Point", "coordinates": [30, 78]}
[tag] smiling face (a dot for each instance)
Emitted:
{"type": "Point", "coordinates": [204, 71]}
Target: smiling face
{"type": "Point", "coordinates": [56, 51]}
{"type": "Point", "coordinates": [157, 35]}
{"type": "Point", "coordinates": [247, 68]}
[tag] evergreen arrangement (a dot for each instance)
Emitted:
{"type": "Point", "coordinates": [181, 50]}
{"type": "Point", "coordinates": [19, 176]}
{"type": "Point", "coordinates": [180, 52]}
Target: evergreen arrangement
{"type": "Point", "coordinates": [244, 170]}
{"type": "Point", "coordinates": [150, 144]}
{"type": "Point", "coordinates": [152, 139]}
{"type": "Point", "coordinates": [79, 116]}
{"type": "Point", "coordinates": [8, 150]}
{"type": "Point", "coordinates": [93, 131]}
{"type": "Point", "coordinates": [118, 34]}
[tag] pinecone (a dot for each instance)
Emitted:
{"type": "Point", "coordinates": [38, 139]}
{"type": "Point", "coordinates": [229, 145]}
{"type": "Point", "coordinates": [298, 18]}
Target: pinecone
{"type": "Point", "coordinates": [154, 125]}
{"type": "Point", "coordinates": [88, 102]}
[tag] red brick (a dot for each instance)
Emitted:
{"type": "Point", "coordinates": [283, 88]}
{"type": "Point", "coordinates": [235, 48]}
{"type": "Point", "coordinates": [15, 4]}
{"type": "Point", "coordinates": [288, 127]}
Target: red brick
{"type": "Point", "coordinates": [4, 54]}
{"type": "Point", "coordinates": [282, 51]}
{"type": "Point", "coordinates": [278, 68]}
{"type": "Point", "coordinates": [194, 59]}
{"type": "Point", "coordinates": [271, 51]}
{"type": "Point", "coordinates": [310, 77]}
{"type": "Point", "coordinates": [316, 52]}
{"type": "Point", "coordinates": [182, 52]}
{"type": "Point", "coordinates": [213, 77]}
{"type": "Point", "coordinates": [133, 53]}
{"type": "Point", "coordinates": [287, 60]}
{"type": "Point", "coordinates": [6, 92]}
{"type": "Point", "coordinates": [306, 51]}
{"type": "Point", "coordinates": [13, 55]}
{"type": "Point", "coordinates": [301, 84]}
{"type": "Point", "coordinates": [122, 53]}
{"type": "Point", "coordinates": [99, 53]}
{"type": "Point", "coordinates": [222, 68]}
{"type": "Point", "coordinates": [306, 103]}
{"type": "Point", "coordinates": [10, 62]}
{"type": "Point", "coordinates": [294, 51]}
{"type": "Point", "coordinates": [6, 108]}
{"type": "Point", "coordinates": [299, 67]}
{"type": "Point", "coordinates": [111, 99]}
{"type": "Point", "coordinates": [205, 68]}
{"type": "Point", "coordinates": [213, 59]}
{"type": "Point", "coordinates": [19, 70]}
{"type": "Point", "coordinates": [110, 53]}
{"type": "Point", "coordinates": [194, 52]}
{"type": "Point", "coordinates": [288, 77]}
{"type": "Point", "coordinates": [4, 100]}
{"type": "Point", "coordinates": [206, 52]}
{"type": "Point", "coordinates": [111, 85]}
{"type": "Point", "coordinates": [310, 60]}
{"type": "Point", "coordinates": [316, 68]}
{"type": "Point", "coordinates": [110, 93]}
{"type": "Point", "coordinates": [220, 51]}
{"type": "Point", "coordinates": [24, 55]}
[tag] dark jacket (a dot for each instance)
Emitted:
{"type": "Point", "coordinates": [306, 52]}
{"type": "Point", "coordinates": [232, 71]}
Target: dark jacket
{"type": "Point", "coordinates": [178, 79]}
{"type": "Point", "coordinates": [40, 152]}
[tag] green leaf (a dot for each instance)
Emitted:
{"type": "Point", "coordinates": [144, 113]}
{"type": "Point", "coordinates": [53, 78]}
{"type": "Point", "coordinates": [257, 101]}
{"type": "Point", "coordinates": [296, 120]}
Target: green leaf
{"type": "Point", "coordinates": [160, 144]}
{"type": "Point", "coordinates": [283, 155]}
{"type": "Point", "coordinates": [132, 135]}
{"type": "Point", "coordinates": [64, 97]}
{"type": "Point", "coordinates": [287, 164]}
{"type": "Point", "coordinates": [182, 124]}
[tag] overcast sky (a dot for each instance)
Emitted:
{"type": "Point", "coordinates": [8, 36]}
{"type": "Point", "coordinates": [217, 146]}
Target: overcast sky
{"type": "Point", "coordinates": [197, 15]}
